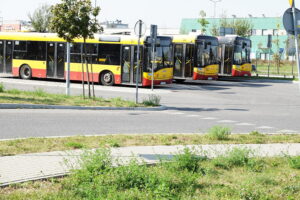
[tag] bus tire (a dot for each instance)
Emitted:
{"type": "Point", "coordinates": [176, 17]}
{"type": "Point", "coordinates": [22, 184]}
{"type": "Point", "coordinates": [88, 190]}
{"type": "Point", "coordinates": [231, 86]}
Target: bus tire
{"type": "Point", "coordinates": [107, 78]}
{"type": "Point", "coordinates": [25, 72]}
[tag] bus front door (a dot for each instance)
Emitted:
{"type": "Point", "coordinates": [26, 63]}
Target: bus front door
{"type": "Point", "coordinates": [55, 60]}
{"type": "Point", "coordinates": [129, 64]}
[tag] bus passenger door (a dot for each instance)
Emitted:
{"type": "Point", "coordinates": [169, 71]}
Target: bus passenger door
{"type": "Point", "coordinates": [60, 65]}
{"type": "Point", "coordinates": [50, 59]}
{"type": "Point", "coordinates": [1, 56]}
{"type": "Point", "coordinates": [135, 65]}
{"type": "Point", "coordinates": [55, 60]}
{"type": "Point", "coordinates": [178, 60]}
{"type": "Point", "coordinates": [126, 64]}
{"type": "Point", "coordinates": [8, 52]}
{"type": "Point", "coordinates": [189, 60]}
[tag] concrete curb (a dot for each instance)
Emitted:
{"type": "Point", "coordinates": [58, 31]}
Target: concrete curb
{"type": "Point", "coordinates": [41, 106]}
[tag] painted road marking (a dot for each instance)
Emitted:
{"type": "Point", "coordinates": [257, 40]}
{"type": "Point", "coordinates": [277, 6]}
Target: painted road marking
{"type": "Point", "coordinates": [194, 116]}
{"type": "Point", "coordinates": [227, 121]}
{"type": "Point", "coordinates": [265, 127]}
{"type": "Point", "coordinates": [245, 124]}
{"type": "Point", "coordinates": [209, 118]}
{"type": "Point", "coordinates": [286, 131]}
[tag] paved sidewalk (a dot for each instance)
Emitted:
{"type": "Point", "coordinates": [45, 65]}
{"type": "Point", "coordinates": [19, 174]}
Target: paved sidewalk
{"type": "Point", "coordinates": [21, 168]}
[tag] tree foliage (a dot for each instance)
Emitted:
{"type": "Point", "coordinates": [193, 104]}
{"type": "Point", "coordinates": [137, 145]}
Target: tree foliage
{"type": "Point", "coordinates": [242, 27]}
{"type": "Point", "coordinates": [75, 18]}
{"type": "Point", "coordinates": [40, 19]}
{"type": "Point", "coordinates": [203, 22]}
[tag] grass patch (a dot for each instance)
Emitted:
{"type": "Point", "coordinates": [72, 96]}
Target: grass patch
{"type": "Point", "coordinates": [187, 177]}
{"type": "Point", "coordinates": [219, 133]}
{"type": "Point", "coordinates": [34, 145]}
{"type": "Point", "coordinates": [39, 96]}
{"type": "Point", "coordinates": [294, 162]}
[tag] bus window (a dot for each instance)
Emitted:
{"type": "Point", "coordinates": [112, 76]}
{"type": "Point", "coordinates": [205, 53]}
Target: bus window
{"type": "Point", "coordinates": [20, 49]}
{"type": "Point", "coordinates": [36, 50]}
{"type": "Point", "coordinates": [109, 54]}
{"type": "Point", "coordinates": [76, 50]}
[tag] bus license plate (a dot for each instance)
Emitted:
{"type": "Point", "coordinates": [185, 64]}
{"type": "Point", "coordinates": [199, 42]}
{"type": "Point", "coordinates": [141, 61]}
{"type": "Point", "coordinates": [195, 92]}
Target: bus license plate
{"type": "Point", "coordinates": [163, 83]}
{"type": "Point", "coordinates": [210, 78]}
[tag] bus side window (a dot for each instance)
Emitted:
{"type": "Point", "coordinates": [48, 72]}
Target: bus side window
{"type": "Point", "coordinates": [109, 54]}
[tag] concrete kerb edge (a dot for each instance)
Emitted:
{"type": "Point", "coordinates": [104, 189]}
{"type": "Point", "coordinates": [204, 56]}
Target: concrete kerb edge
{"type": "Point", "coordinates": [37, 106]}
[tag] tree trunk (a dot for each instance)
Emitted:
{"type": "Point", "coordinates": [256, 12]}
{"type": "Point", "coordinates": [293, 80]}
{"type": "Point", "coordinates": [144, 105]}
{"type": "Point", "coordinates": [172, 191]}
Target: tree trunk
{"type": "Point", "coordinates": [82, 75]}
{"type": "Point", "coordinates": [87, 67]}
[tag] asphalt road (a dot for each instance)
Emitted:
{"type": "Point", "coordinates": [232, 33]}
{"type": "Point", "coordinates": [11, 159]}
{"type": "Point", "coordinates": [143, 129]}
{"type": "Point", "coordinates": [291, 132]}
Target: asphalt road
{"type": "Point", "coordinates": [193, 107]}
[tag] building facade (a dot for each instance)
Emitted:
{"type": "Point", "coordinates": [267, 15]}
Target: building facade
{"type": "Point", "coordinates": [262, 27]}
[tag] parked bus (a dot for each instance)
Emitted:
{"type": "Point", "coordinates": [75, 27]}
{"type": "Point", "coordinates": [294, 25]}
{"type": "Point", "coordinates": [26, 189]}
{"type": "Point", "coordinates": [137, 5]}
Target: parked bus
{"type": "Point", "coordinates": [195, 58]}
{"type": "Point", "coordinates": [112, 59]}
{"type": "Point", "coordinates": [234, 52]}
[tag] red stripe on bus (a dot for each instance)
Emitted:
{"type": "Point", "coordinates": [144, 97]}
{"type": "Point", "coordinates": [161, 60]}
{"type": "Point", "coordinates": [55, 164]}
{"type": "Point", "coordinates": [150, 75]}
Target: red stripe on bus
{"type": "Point", "coordinates": [197, 76]}
{"type": "Point", "coordinates": [39, 73]}
{"type": "Point", "coordinates": [240, 73]}
{"type": "Point", "coordinates": [15, 71]}
{"type": "Point", "coordinates": [147, 82]}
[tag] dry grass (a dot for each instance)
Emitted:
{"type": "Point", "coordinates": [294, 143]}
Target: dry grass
{"type": "Point", "coordinates": [33, 145]}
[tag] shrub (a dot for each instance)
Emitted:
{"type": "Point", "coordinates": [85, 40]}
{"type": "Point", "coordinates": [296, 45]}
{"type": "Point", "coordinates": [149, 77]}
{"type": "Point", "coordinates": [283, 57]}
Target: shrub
{"type": "Point", "coordinates": [188, 160]}
{"type": "Point", "coordinates": [1, 87]}
{"type": "Point", "coordinates": [152, 100]}
{"type": "Point", "coordinates": [219, 133]}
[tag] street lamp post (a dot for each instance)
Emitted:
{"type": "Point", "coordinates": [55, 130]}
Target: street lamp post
{"type": "Point", "coordinates": [215, 5]}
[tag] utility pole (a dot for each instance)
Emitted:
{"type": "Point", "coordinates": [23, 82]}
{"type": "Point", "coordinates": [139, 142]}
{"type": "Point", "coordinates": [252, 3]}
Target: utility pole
{"type": "Point", "coordinates": [215, 5]}
{"type": "Point", "coordinates": [296, 38]}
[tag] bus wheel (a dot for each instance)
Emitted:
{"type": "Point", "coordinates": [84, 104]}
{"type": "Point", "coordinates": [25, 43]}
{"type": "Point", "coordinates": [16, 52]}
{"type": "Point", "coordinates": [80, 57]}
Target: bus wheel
{"type": "Point", "coordinates": [107, 78]}
{"type": "Point", "coordinates": [25, 72]}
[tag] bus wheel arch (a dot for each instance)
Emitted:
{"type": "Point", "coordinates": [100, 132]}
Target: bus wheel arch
{"type": "Point", "coordinates": [107, 78]}
{"type": "Point", "coordinates": [25, 72]}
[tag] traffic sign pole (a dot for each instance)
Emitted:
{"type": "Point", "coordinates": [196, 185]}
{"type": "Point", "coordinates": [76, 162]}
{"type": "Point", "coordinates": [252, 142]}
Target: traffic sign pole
{"type": "Point", "coordinates": [296, 39]}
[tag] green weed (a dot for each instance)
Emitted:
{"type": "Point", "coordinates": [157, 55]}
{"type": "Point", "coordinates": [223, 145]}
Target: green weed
{"type": "Point", "coordinates": [1, 87]}
{"type": "Point", "coordinates": [75, 145]}
{"type": "Point", "coordinates": [152, 100]}
{"type": "Point", "coordinates": [294, 162]}
{"type": "Point", "coordinates": [219, 133]}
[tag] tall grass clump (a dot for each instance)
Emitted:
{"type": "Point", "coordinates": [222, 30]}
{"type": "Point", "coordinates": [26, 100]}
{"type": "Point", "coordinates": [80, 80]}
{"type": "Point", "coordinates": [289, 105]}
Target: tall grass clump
{"type": "Point", "coordinates": [294, 162]}
{"type": "Point", "coordinates": [152, 100]}
{"type": "Point", "coordinates": [1, 87]}
{"type": "Point", "coordinates": [219, 133]}
{"type": "Point", "coordinates": [236, 157]}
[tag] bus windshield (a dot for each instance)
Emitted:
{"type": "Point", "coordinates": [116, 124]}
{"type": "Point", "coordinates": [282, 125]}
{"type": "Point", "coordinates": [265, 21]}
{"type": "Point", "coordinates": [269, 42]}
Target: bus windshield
{"type": "Point", "coordinates": [242, 50]}
{"type": "Point", "coordinates": [163, 57]}
{"type": "Point", "coordinates": [207, 54]}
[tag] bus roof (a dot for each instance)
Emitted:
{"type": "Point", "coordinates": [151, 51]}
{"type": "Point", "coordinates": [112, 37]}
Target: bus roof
{"type": "Point", "coordinates": [53, 37]}
{"type": "Point", "coordinates": [184, 39]}
{"type": "Point", "coordinates": [230, 39]}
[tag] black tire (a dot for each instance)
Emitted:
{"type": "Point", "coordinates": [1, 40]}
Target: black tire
{"type": "Point", "coordinates": [107, 78]}
{"type": "Point", "coordinates": [25, 72]}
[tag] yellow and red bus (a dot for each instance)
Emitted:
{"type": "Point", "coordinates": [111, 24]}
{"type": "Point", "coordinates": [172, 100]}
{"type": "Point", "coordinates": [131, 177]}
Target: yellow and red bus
{"type": "Point", "coordinates": [234, 52]}
{"type": "Point", "coordinates": [112, 59]}
{"type": "Point", "coordinates": [195, 57]}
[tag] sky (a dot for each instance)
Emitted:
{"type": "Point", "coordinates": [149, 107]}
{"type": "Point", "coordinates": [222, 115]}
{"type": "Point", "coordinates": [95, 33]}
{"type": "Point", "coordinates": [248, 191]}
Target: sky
{"type": "Point", "coordinates": [164, 13]}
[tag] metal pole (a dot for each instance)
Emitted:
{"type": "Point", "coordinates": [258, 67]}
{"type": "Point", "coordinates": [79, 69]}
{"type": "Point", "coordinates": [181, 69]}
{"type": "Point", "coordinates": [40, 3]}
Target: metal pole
{"type": "Point", "coordinates": [215, 5]}
{"type": "Point", "coordinates": [269, 62]}
{"type": "Point", "coordinates": [68, 70]}
{"type": "Point", "coordinates": [296, 41]}
{"type": "Point", "coordinates": [152, 68]}
{"type": "Point", "coordinates": [138, 62]}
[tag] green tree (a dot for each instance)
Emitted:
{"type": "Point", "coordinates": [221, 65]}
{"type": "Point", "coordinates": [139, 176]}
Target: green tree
{"type": "Point", "coordinates": [203, 22]}
{"type": "Point", "coordinates": [76, 19]}
{"type": "Point", "coordinates": [214, 31]}
{"type": "Point", "coordinates": [277, 55]}
{"type": "Point", "coordinates": [40, 18]}
{"type": "Point", "coordinates": [242, 27]}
